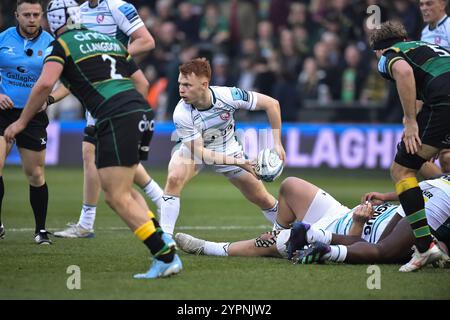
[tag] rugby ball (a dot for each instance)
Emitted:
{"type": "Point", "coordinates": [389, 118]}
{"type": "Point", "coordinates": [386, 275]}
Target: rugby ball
{"type": "Point", "coordinates": [268, 165]}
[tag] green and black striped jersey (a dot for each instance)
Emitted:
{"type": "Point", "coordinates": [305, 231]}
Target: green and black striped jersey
{"type": "Point", "coordinates": [431, 66]}
{"type": "Point", "coordinates": [96, 69]}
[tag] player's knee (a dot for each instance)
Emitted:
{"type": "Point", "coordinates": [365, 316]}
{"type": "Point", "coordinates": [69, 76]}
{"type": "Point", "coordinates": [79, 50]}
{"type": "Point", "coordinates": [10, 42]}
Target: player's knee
{"type": "Point", "coordinates": [35, 175]}
{"type": "Point", "coordinates": [174, 181]}
{"type": "Point", "coordinates": [405, 163]}
{"type": "Point", "coordinates": [287, 185]}
{"type": "Point", "coordinates": [400, 172]}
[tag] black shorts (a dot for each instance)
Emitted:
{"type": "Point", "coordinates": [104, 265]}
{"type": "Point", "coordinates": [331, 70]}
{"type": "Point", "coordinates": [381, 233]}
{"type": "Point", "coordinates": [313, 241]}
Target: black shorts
{"type": "Point", "coordinates": [89, 135]}
{"type": "Point", "coordinates": [34, 136]}
{"type": "Point", "coordinates": [119, 138]}
{"type": "Point", "coordinates": [434, 126]}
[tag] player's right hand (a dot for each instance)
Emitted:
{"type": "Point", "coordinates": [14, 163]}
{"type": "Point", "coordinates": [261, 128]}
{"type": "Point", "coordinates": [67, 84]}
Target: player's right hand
{"type": "Point", "coordinates": [376, 198]}
{"type": "Point", "coordinates": [13, 129]}
{"type": "Point", "coordinates": [411, 136]}
{"type": "Point", "coordinates": [280, 151]}
{"type": "Point", "coordinates": [5, 102]}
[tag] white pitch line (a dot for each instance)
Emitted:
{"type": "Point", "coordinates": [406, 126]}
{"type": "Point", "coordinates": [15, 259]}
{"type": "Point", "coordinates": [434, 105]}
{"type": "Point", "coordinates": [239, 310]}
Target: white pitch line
{"type": "Point", "coordinates": [260, 227]}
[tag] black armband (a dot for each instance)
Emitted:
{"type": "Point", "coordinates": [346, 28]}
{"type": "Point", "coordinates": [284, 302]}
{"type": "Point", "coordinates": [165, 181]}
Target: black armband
{"type": "Point", "coordinates": [50, 100]}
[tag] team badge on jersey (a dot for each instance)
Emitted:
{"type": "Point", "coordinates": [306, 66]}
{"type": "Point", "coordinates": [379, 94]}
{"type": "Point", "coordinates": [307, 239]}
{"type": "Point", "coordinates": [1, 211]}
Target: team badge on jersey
{"type": "Point", "coordinates": [225, 116]}
{"type": "Point", "coordinates": [100, 18]}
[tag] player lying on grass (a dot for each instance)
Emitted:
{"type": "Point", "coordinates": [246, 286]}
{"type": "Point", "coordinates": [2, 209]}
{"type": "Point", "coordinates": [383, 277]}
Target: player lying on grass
{"type": "Point", "coordinates": [365, 234]}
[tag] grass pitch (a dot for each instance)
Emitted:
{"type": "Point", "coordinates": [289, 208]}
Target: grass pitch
{"type": "Point", "coordinates": [211, 209]}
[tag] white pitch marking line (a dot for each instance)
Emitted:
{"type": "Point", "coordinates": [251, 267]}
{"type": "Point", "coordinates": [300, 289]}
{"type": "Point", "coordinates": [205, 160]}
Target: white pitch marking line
{"type": "Point", "coordinates": [260, 227]}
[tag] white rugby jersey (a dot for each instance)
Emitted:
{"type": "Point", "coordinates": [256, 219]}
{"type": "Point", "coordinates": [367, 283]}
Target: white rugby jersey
{"type": "Point", "coordinates": [440, 35]}
{"type": "Point", "coordinates": [116, 18]}
{"type": "Point", "coordinates": [436, 193]}
{"type": "Point", "coordinates": [216, 124]}
{"type": "Point", "coordinates": [373, 228]}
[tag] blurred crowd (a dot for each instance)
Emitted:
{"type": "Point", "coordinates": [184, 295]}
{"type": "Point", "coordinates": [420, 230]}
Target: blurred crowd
{"type": "Point", "coordinates": [305, 53]}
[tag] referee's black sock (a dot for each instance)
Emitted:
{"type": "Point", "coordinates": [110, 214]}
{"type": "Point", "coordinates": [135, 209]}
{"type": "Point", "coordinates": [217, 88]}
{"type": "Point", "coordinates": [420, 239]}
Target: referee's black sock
{"type": "Point", "coordinates": [39, 202]}
{"type": "Point", "coordinates": [2, 193]}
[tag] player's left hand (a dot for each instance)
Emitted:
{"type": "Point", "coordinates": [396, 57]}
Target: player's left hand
{"type": "Point", "coordinates": [376, 198]}
{"type": "Point", "coordinates": [280, 151]}
{"type": "Point", "coordinates": [12, 130]}
{"type": "Point", "coordinates": [411, 136]}
{"type": "Point", "coordinates": [363, 213]}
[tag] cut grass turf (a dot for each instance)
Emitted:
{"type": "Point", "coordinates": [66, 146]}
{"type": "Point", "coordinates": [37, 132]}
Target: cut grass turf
{"type": "Point", "coordinates": [211, 209]}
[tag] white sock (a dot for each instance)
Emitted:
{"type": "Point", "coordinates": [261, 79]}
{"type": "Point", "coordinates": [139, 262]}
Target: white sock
{"type": "Point", "coordinates": [87, 217]}
{"type": "Point", "coordinates": [170, 209]}
{"type": "Point", "coordinates": [337, 254]}
{"type": "Point", "coordinates": [278, 226]}
{"type": "Point", "coordinates": [216, 248]}
{"type": "Point", "coordinates": [154, 192]}
{"type": "Point", "coordinates": [271, 214]}
{"type": "Point", "coordinates": [320, 235]}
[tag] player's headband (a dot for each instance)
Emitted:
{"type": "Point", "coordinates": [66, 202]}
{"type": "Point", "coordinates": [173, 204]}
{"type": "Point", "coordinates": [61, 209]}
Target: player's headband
{"type": "Point", "coordinates": [386, 43]}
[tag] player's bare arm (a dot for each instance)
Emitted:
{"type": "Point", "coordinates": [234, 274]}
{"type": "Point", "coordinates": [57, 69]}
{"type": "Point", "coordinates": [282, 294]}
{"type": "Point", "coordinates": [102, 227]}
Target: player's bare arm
{"type": "Point", "coordinates": [50, 74]}
{"type": "Point", "coordinates": [60, 93]}
{"type": "Point", "coordinates": [406, 87]}
{"type": "Point", "coordinates": [272, 107]}
{"type": "Point", "coordinates": [377, 198]}
{"type": "Point", "coordinates": [140, 82]}
{"type": "Point", "coordinates": [141, 41]}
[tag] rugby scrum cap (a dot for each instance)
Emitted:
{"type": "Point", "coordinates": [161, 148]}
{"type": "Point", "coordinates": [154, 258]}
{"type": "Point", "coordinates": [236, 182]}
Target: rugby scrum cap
{"type": "Point", "coordinates": [62, 12]}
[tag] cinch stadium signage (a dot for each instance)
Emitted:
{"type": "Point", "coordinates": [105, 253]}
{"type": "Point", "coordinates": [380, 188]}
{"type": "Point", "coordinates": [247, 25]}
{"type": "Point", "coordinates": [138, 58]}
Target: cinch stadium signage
{"type": "Point", "coordinates": [333, 146]}
{"type": "Point", "coordinates": [348, 148]}
{"type": "Point", "coordinates": [307, 145]}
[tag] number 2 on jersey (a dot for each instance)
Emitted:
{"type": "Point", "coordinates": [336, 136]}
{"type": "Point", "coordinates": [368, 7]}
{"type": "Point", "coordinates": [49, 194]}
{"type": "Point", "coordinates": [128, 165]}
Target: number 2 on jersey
{"type": "Point", "coordinates": [114, 74]}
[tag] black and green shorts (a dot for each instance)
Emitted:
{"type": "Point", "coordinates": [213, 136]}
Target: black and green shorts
{"type": "Point", "coordinates": [120, 139]}
{"type": "Point", "coordinates": [434, 126]}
